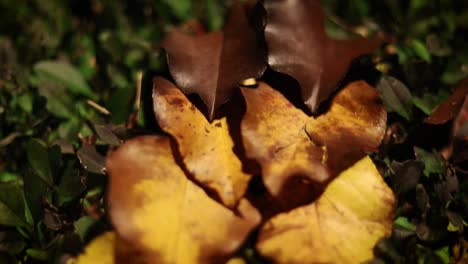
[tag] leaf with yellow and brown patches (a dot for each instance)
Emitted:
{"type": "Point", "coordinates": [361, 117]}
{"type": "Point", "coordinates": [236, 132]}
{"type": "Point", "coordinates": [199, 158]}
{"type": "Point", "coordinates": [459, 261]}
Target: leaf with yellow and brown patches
{"type": "Point", "coordinates": [206, 148]}
{"type": "Point", "coordinates": [355, 123]}
{"type": "Point", "coordinates": [166, 217]}
{"type": "Point", "coordinates": [289, 144]}
{"type": "Point", "coordinates": [342, 226]}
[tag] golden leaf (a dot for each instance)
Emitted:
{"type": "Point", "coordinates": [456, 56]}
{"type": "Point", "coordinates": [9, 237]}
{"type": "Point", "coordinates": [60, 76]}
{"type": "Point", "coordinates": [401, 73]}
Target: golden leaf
{"type": "Point", "coordinates": [288, 144]}
{"type": "Point", "coordinates": [163, 215]}
{"type": "Point", "coordinates": [100, 250]}
{"type": "Point", "coordinates": [206, 149]}
{"type": "Point", "coordinates": [342, 226]}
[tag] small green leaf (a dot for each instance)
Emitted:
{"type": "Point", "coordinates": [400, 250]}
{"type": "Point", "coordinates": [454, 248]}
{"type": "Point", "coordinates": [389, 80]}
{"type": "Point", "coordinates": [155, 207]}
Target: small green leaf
{"type": "Point", "coordinates": [444, 254]}
{"type": "Point", "coordinates": [25, 101]}
{"type": "Point", "coordinates": [70, 184]}
{"type": "Point", "coordinates": [64, 73]}
{"type": "Point", "coordinates": [8, 176]}
{"type": "Point", "coordinates": [59, 102]}
{"type": "Point", "coordinates": [11, 204]}
{"type": "Point", "coordinates": [181, 8]}
{"type": "Point", "coordinates": [433, 162]}
{"type": "Point", "coordinates": [420, 49]}
{"type": "Point", "coordinates": [404, 223]}
{"type": "Point", "coordinates": [83, 226]}
{"type": "Point", "coordinates": [37, 254]}
{"type": "Point", "coordinates": [34, 190]}
{"type": "Point", "coordinates": [39, 160]}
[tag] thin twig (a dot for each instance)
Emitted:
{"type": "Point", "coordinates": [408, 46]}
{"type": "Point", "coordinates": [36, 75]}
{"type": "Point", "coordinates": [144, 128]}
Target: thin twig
{"type": "Point", "coordinates": [138, 90]}
{"type": "Point", "coordinates": [99, 108]}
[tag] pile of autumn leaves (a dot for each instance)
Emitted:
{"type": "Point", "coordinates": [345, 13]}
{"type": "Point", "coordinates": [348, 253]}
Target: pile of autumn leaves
{"type": "Point", "coordinates": [248, 159]}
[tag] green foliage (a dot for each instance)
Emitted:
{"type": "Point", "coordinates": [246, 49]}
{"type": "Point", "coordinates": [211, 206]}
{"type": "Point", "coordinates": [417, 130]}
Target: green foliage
{"type": "Point", "coordinates": [58, 72]}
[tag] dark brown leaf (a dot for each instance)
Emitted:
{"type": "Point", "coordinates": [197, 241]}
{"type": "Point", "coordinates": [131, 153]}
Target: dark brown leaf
{"type": "Point", "coordinates": [406, 175]}
{"type": "Point", "coordinates": [213, 65]}
{"type": "Point", "coordinates": [450, 108]}
{"type": "Point", "coordinates": [299, 46]}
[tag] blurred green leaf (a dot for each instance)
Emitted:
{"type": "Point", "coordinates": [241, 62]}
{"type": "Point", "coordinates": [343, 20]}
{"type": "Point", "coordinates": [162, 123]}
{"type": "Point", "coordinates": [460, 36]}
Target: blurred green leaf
{"type": "Point", "coordinates": [70, 186]}
{"type": "Point", "coordinates": [215, 14]}
{"type": "Point", "coordinates": [38, 158]}
{"type": "Point", "coordinates": [11, 204]}
{"type": "Point", "coordinates": [37, 254]}
{"type": "Point", "coordinates": [59, 103]}
{"type": "Point", "coordinates": [65, 73]}
{"type": "Point", "coordinates": [83, 226]}
{"type": "Point", "coordinates": [34, 190]}
{"type": "Point", "coordinates": [433, 162]}
{"type": "Point", "coordinates": [404, 223]}
{"type": "Point", "coordinates": [25, 101]}
{"type": "Point", "coordinates": [182, 9]}
{"type": "Point", "coordinates": [444, 254]}
{"type": "Point", "coordinates": [420, 49]}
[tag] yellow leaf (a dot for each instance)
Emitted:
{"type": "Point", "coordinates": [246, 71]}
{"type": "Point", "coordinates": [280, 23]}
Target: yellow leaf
{"type": "Point", "coordinates": [99, 251]}
{"type": "Point", "coordinates": [163, 215]}
{"type": "Point", "coordinates": [288, 144]}
{"type": "Point", "coordinates": [206, 149]}
{"type": "Point", "coordinates": [342, 226]}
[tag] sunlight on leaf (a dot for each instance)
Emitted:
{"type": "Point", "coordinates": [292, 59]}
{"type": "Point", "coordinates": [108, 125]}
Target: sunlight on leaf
{"type": "Point", "coordinates": [288, 143]}
{"type": "Point", "coordinates": [207, 149]}
{"type": "Point", "coordinates": [100, 250]}
{"type": "Point", "coordinates": [164, 215]}
{"type": "Point", "coordinates": [342, 226]}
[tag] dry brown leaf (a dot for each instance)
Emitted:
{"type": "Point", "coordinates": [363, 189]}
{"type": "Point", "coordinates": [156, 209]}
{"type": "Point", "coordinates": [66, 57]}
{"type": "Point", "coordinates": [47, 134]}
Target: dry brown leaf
{"type": "Point", "coordinates": [450, 108]}
{"type": "Point", "coordinates": [288, 143]}
{"type": "Point", "coordinates": [206, 149]}
{"type": "Point", "coordinates": [163, 215]}
{"type": "Point", "coordinates": [342, 226]}
{"type": "Point", "coordinates": [213, 65]}
{"type": "Point", "coordinates": [299, 46]}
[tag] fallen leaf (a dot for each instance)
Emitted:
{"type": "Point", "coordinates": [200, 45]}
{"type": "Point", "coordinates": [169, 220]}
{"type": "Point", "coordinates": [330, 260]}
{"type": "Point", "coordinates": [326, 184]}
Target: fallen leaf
{"type": "Point", "coordinates": [206, 149]}
{"type": "Point", "coordinates": [158, 211]}
{"type": "Point", "coordinates": [459, 142]}
{"type": "Point", "coordinates": [100, 250]}
{"type": "Point", "coordinates": [288, 143]}
{"type": "Point", "coordinates": [213, 65]}
{"type": "Point", "coordinates": [342, 226]}
{"type": "Point", "coordinates": [450, 108]}
{"type": "Point", "coordinates": [299, 46]}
